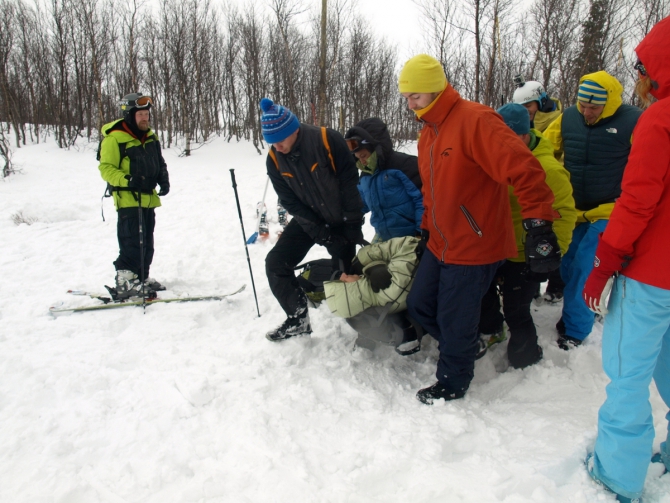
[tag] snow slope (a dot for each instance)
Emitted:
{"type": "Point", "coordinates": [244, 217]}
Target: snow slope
{"type": "Point", "coordinates": [190, 402]}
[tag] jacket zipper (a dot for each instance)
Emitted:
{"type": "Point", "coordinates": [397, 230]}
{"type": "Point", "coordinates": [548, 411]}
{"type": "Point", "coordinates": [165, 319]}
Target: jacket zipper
{"type": "Point", "coordinates": [432, 195]}
{"type": "Point", "coordinates": [471, 221]}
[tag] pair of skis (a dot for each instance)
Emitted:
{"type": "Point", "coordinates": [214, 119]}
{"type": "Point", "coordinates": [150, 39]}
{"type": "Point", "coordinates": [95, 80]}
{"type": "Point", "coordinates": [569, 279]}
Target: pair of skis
{"type": "Point", "coordinates": [109, 303]}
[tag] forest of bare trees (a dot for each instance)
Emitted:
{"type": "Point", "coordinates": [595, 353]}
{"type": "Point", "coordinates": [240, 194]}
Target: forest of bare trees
{"type": "Point", "coordinates": [65, 63]}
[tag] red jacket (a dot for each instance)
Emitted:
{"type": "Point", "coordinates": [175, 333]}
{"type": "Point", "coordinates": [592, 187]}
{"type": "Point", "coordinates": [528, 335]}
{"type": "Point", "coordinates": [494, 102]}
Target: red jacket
{"type": "Point", "coordinates": [640, 222]}
{"type": "Point", "coordinates": [467, 158]}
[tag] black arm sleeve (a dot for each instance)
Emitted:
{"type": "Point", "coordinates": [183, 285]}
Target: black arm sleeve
{"type": "Point", "coordinates": [347, 174]}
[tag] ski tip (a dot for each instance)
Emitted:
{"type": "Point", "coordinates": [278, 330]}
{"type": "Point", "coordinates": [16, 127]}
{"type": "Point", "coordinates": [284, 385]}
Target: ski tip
{"type": "Point", "coordinates": [252, 238]}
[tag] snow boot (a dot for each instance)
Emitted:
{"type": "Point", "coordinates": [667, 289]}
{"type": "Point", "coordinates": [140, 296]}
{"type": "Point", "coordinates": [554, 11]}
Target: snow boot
{"type": "Point", "coordinates": [496, 337]}
{"type": "Point", "coordinates": [662, 457]}
{"type": "Point", "coordinates": [483, 348]}
{"type": "Point", "coordinates": [297, 324]}
{"type": "Point", "coordinates": [154, 285]}
{"type": "Point", "coordinates": [438, 391]}
{"type": "Point", "coordinates": [552, 297]}
{"type": "Point", "coordinates": [282, 216]}
{"type": "Point", "coordinates": [566, 343]}
{"type": "Point", "coordinates": [410, 340]}
{"type": "Point", "coordinates": [128, 285]}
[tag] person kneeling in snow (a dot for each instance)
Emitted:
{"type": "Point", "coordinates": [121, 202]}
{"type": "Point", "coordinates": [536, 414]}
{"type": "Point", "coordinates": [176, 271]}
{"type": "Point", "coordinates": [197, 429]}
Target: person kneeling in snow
{"type": "Point", "coordinates": [373, 298]}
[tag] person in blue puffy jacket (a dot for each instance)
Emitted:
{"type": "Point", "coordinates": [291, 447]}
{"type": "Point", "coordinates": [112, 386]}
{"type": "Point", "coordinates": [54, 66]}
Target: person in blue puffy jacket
{"type": "Point", "coordinates": [390, 184]}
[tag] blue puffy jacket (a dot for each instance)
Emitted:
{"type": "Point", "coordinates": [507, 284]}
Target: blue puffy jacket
{"type": "Point", "coordinates": [392, 192]}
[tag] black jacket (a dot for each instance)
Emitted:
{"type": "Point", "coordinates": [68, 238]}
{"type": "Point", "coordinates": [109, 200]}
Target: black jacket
{"type": "Point", "coordinates": [596, 155]}
{"type": "Point", "coordinates": [313, 188]}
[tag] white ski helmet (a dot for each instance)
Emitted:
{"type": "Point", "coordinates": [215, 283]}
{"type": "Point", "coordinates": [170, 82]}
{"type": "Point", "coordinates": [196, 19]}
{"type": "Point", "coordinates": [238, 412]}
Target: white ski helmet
{"type": "Point", "coordinates": [530, 91]}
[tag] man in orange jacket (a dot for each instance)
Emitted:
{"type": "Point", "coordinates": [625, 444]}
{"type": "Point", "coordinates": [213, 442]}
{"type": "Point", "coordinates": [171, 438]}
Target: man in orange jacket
{"type": "Point", "coordinates": [467, 159]}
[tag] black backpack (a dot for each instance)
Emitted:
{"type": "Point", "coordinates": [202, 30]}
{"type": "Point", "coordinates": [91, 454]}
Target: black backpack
{"type": "Point", "coordinates": [311, 277]}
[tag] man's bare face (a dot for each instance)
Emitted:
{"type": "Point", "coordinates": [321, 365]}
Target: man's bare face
{"type": "Point", "coordinates": [532, 107]}
{"type": "Point", "coordinates": [419, 101]}
{"type": "Point", "coordinates": [286, 145]}
{"type": "Point", "coordinates": [590, 112]}
{"type": "Point", "coordinates": [142, 119]}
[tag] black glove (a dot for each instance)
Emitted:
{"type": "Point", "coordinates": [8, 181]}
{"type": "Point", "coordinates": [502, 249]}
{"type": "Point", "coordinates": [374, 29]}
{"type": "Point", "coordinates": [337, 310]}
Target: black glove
{"type": "Point", "coordinates": [353, 232]}
{"type": "Point", "coordinates": [164, 182]}
{"type": "Point", "coordinates": [379, 277]}
{"type": "Point", "coordinates": [421, 246]}
{"type": "Point", "coordinates": [543, 254]}
{"type": "Point", "coordinates": [321, 234]}
{"type": "Point", "coordinates": [134, 181]}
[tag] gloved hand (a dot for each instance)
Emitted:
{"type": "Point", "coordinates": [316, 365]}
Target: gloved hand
{"type": "Point", "coordinates": [543, 254]}
{"type": "Point", "coordinates": [135, 181]}
{"type": "Point", "coordinates": [321, 234]}
{"type": "Point", "coordinates": [607, 262]}
{"type": "Point", "coordinates": [353, 232]}
{"type": "Point", "coordinates": [379, 277]}
{"type": "Point", "coordinates": [164, 182]}
{"type": "Point", "coordinates": [421, 246]}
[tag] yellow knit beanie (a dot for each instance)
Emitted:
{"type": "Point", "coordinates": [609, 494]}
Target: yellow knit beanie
{"type": "Point", "coordinates": [422, 74]}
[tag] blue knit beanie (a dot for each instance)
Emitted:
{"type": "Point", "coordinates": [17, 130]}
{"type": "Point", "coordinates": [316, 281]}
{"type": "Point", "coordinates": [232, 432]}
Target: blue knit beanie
{"type": "Point", "coordinates": [277, 122]}
{"type": "Point", "coordinates": [592, 92]}
{"type": "Point", "coordinates": [516, 117]}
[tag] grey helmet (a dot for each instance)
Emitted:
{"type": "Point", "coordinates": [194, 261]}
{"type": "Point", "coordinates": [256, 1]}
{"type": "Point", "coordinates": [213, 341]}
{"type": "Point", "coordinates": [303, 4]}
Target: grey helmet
{"type": "Point", "coordinates": [134, 101]}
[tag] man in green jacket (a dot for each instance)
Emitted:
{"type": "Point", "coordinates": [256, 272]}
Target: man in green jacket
{"type": "Point", "coordinates": [132, 164]}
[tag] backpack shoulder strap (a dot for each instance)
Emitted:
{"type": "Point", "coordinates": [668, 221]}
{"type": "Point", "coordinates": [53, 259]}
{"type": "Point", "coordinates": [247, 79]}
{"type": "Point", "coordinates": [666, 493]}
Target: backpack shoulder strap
{"type": "Point", "coordinates": [324, 136]}
{"type": "Point", "coordinates": [272, 154]}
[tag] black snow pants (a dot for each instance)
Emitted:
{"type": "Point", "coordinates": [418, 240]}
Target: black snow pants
{"type": "Point", "coordinates": [517, 293]}
{"type": "Point", "coordinates": [128, 232]}
{"type": "Point", "coordinates": [291, 248]}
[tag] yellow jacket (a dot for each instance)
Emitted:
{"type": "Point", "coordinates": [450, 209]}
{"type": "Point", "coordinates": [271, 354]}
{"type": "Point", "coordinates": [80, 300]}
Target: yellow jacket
{"type": "Point", "coordinates": [558, 180]}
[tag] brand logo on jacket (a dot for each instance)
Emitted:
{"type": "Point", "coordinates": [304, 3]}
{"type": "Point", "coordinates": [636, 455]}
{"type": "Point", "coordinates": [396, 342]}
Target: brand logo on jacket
{"type": "Point", "coordinates": [445, 152]}
{"type": "Point", "coordinates": [611, 130]}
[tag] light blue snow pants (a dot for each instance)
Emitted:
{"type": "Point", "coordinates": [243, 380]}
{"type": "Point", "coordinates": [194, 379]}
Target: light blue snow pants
{"type": "Point", "coordinates": [575, 268]}
{"type": "Point", "coordinates": [636, 347]}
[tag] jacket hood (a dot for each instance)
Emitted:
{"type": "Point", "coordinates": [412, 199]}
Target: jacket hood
{"type": "Point", "coordinates": [117, 126]}
{"type": "Point", "coordinates": [375, 132]}
{"type": "Point", "coordinates": [543, 147]}
{"type": "Point", "coordinates": [654, 52]}
{"type": "Point", "coordinates": [612, 86]}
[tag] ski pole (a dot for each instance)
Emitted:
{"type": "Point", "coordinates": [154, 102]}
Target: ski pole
{"type": "Point", "coordinates": [246, 249]}
{"type": "Point", "coordinates": [141, 221]}
{"type": "Point", "coordinates": [252, 239]}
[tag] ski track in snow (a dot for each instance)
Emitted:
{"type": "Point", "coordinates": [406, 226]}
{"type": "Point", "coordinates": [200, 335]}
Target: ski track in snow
{"type": "Point", "coordinates": [190, 402]}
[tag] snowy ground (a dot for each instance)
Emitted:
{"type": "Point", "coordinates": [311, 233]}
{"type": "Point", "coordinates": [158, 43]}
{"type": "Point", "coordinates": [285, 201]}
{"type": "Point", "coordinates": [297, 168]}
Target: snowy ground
{"type": "Point", "coordinates": [190, 402]}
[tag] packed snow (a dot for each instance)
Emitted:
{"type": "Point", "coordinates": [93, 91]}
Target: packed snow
{"type": "Point", "coordinates": [190, 402]}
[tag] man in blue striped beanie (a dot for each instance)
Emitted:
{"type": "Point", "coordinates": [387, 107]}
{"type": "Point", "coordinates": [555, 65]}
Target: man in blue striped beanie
{"type": "Point", "coordinates": [595, 136]}
{"type": "Point", "coordinates": [315, 176]}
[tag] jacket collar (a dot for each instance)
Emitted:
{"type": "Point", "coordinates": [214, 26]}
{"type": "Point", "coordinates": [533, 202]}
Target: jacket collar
{"type": "Point", "coordinates": [442, 106]}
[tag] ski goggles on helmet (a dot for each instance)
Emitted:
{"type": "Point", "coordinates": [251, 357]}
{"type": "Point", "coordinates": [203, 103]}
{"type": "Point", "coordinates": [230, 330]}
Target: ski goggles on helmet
{"type": "Point", "coordinates": [355, 143]}
{"type": "Point", "coordinates": [640, 68]}
{"type": "Point", "coordinates": [140, 102]}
